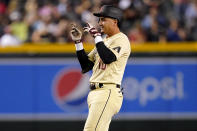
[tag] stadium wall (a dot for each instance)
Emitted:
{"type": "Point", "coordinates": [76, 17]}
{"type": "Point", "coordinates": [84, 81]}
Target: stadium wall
{"type": "Point", "coordinates": [159, 89]}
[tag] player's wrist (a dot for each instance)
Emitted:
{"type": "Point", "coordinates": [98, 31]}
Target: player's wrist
{"type": "Point", "coordinates": [79, 46]}
{"type": "Point", "coordinates": [98, 39]}
{"type": "Point", "coordinates": [78, 41]}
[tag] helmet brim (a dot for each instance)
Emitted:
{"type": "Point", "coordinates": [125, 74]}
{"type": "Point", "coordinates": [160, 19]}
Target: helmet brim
{"type": "Point", "coordinates": [99, 14]}
{"type": "Point", "coordinates": [102, 15]}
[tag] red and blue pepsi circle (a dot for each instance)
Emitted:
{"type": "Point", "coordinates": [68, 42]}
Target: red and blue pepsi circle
{"type": "Point", "coordinates": [70, 89]}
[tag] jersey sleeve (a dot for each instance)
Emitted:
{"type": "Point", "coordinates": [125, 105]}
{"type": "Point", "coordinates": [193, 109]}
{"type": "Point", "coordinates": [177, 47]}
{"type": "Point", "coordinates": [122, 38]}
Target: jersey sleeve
{"type": "Point", "coordinates": [120, 46]}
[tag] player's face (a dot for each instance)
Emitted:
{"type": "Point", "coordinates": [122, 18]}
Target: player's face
{"type": "Point", "coordinates": [106, 25]}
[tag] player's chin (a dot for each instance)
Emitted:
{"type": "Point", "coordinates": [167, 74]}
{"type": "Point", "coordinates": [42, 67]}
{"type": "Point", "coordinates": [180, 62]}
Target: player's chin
{"type": "Point", "coordinates": [102, 31]}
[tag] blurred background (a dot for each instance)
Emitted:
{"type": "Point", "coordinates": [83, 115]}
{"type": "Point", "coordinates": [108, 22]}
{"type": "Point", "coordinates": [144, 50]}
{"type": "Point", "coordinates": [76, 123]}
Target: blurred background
{"type": "Point", "coordinates": [144, 20]}
{"type": "Point", "coordinates": [41, 85]}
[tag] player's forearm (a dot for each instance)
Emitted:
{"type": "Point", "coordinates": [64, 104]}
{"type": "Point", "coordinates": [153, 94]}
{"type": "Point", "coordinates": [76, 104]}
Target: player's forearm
{"type": "Point", "coordinates": [85, 63]}
{"type": "Point", "coordinates": [106, 55]}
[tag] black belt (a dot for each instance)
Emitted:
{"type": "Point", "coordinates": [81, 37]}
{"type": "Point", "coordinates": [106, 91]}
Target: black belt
{"type": "Point", "coordinates": [100, 85]}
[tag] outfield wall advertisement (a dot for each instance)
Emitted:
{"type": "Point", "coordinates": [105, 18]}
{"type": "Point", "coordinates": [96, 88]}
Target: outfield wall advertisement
{"type": "Point", "coordinates": [55, 89]}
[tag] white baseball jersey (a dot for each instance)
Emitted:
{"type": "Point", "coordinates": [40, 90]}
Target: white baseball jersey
{"type": "Point", "coordinates": [113, 72]}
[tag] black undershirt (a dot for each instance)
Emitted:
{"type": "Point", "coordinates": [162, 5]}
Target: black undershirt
{"type": "Point", "coordinates": [106, 55]}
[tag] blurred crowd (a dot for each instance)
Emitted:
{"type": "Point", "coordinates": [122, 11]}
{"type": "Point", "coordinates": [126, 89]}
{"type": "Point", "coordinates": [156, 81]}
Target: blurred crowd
{"type": "Point", "coordinates": [48, 21]}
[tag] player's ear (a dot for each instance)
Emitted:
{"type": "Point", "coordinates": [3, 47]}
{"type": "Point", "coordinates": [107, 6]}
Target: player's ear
{"type": "Point", "coordinates": [116, 22]}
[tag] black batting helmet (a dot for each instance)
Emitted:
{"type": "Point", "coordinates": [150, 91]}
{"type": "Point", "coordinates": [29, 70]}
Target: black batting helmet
{"type": "Point", "coordinates": [110, 11]}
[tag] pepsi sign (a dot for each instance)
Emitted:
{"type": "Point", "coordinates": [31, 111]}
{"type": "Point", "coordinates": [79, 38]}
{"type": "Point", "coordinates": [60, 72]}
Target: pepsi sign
{"type": "Point", "coordinates": [70, 89]}
{"type": "Point", "coordinates": [151, 88]}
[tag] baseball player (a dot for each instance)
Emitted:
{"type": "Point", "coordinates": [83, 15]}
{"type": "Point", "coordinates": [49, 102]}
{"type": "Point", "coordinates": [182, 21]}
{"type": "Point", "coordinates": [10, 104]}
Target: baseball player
{"type": "Point", "coordinates": [107, 62]}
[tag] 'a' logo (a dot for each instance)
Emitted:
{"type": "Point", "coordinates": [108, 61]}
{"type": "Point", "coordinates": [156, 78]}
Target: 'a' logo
{"type": "Point", "coordinates": [117, 49]}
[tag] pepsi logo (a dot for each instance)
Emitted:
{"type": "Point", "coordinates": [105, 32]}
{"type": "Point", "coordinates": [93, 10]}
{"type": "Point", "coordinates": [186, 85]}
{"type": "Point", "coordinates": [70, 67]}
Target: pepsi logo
{"type": "Point", "coordinates": [70, 89]}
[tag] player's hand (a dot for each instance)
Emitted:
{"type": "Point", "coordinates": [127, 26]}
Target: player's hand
{"type": "Point", "coordinates": [75, 34]}
{"type": "Point", "coordinates": [92, 30]}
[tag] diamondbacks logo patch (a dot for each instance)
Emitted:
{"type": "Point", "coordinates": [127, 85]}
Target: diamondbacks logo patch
{"type": "Point", "coordinates": [117, 49]}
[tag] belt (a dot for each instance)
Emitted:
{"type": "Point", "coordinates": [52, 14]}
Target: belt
{"type": "Point", "coordinates": [100, 85]}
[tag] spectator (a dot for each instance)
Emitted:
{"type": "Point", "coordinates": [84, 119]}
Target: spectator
{"type": "Point", "coordinates": [191, 14]}
{"type": "Point", "coordinates": [31, 17]}
{"type": "Point", "coordinates": [62, 7]}
{"type": "Point", "coordinates": [153, 32]}
{"type": "Point", "coordinates": [62, 30]}
{"type": "Point", "coordinates": [8, 39]}
{"type": "Point", "coordinates": [136, 34]}
{"type": "Point", "coordinates": [172, 32]}
{"type": "Point", "coordinates": [193, 32]}
{"type": "Point", "coordinates": [18, 26]}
